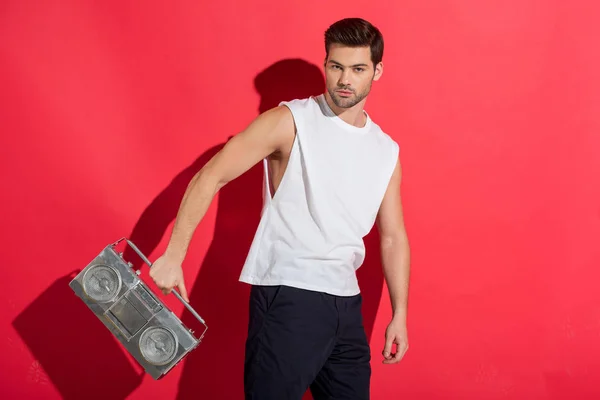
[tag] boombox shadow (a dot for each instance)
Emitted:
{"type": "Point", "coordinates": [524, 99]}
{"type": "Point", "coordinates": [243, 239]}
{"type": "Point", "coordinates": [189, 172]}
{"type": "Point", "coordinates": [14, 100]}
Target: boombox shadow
{"type": "Point", "coordinates": [76, 352]}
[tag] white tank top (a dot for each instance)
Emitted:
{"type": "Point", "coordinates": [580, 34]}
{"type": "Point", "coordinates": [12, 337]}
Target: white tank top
{"type": "Point", "coordinates": [311, 230]}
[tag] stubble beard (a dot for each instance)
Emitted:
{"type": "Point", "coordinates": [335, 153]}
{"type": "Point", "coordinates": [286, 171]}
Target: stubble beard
{"type": "Point", "coordinates": [347, 102]}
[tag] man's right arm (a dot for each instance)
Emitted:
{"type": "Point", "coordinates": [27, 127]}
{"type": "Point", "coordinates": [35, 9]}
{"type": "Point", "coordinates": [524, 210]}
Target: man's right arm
{"type": "Point", "coordinates": [271, 132]}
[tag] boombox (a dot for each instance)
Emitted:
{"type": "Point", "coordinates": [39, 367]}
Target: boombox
{"type": "Point", "coordinates": [146, 327]}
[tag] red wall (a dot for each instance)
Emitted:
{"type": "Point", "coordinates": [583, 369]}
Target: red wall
{"type": "Point", "coordinates": [107, 109]}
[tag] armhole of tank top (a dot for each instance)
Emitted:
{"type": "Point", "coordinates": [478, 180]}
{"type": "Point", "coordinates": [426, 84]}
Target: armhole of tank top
{"type": "Point", "coordinates": [272, 198]}
{"type": "Point", "coordinates": [266, 180]}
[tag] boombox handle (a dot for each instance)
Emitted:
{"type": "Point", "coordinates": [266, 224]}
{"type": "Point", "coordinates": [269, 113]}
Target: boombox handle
{"type": "Point", "coordinates": [185, 303]}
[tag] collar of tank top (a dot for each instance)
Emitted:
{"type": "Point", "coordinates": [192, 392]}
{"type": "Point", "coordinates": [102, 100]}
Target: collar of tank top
{"type": "Point", "coordinates": [329, 112]}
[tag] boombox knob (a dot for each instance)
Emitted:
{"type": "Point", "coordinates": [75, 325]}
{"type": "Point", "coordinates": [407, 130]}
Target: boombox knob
{"type": "Point", "coordinates": [138, 272]}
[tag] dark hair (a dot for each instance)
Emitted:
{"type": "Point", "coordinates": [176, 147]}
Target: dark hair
{"type": "Point", "coordinates": [355, 32]}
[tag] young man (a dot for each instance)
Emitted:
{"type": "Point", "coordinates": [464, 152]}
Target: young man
{"type": "Point", "coordinates": [330, 174]}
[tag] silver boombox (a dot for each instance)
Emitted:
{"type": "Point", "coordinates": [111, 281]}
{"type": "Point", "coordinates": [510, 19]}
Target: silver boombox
{"type": "Point", "coordinates": [146, 327]}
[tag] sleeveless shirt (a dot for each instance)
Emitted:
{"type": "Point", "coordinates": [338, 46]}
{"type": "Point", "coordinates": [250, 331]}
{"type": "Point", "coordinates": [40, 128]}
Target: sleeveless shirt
{"type": "Point", "coordinates": [311, 230]}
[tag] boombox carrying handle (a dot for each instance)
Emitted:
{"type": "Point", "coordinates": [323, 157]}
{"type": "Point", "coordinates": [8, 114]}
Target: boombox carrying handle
{"type": "Point", "coordinates": [185, 303]}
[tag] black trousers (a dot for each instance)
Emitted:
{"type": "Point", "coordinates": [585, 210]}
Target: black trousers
{"type": "Point", "coordinates": [300, 339]}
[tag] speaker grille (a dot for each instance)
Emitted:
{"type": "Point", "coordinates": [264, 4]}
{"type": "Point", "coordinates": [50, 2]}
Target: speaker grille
{"type": "Point", "coordinates": [102, 283]}
{"type": "Point", "coordinates": [158, 345]}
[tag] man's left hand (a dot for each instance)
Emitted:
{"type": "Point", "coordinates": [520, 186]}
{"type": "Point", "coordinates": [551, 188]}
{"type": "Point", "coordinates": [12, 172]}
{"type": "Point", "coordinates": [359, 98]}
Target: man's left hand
{"type": "Point", "coordinates": [395, 334]}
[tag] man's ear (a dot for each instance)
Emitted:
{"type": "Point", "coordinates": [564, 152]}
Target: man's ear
{"type": "Point", "coordinates": [378, 71]}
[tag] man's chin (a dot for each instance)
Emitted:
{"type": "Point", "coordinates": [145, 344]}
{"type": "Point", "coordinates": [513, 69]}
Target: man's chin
{"type": "Point", "coordinates": [343, 102]}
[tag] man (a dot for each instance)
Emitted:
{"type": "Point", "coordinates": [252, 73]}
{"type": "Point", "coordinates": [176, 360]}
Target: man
{"type": "Point", "coordinates": [330, 174]}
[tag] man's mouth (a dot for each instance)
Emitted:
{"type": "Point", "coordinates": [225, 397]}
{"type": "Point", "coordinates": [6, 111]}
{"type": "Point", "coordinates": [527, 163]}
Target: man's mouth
{"type": "Point", "coordinates": [345, 92]}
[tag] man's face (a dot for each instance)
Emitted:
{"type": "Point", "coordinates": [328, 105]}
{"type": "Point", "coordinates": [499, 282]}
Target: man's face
{"type": "Point", "coordinates": [349, 73]}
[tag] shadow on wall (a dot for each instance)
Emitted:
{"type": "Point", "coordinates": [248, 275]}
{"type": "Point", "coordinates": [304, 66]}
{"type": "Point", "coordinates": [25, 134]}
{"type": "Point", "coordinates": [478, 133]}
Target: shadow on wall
{"type": "Point", "coordinates": [215, 369]}
{"type": "Point", "coordinates": [76, 360]}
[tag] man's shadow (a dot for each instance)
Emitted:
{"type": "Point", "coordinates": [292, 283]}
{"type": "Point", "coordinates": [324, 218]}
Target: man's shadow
{"type": "Point", "coordinates": [214, 370]}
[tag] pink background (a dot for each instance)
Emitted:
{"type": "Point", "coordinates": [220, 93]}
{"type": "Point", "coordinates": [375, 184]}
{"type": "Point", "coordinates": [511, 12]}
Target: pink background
{"type": "Point", "coordinates": [108, 108]}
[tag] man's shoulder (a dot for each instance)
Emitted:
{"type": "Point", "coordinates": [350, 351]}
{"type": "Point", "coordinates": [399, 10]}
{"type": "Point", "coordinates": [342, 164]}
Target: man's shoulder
{"type": "Point", "coordinates": [305, 102]}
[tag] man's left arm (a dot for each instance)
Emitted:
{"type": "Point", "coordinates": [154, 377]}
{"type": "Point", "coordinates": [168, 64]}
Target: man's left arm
{"type": "Point", "coordinates": [395, 258]}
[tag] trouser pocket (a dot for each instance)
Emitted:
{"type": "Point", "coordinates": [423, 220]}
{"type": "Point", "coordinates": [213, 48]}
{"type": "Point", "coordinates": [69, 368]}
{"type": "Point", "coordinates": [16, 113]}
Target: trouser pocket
{"type": "Point", "coordinates": [262, 301]}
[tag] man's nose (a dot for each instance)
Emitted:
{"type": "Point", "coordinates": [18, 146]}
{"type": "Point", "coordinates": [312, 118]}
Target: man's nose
{"type": "Point", "coordinates": [344, 78]}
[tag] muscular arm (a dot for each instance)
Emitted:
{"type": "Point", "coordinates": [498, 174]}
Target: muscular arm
{"type": "Point", "coordinates": [271, 132]}
{"type": "Point", "coordinates": [394, 246]}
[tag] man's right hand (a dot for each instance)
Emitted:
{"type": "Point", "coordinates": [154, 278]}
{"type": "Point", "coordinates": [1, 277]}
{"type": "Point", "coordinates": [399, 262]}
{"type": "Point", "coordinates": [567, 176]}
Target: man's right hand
{"type": "Point", "coordinates": [167, 273]}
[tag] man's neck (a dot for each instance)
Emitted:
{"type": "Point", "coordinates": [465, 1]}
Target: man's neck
{"type": "Point", "coordinates": [353, 116]}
